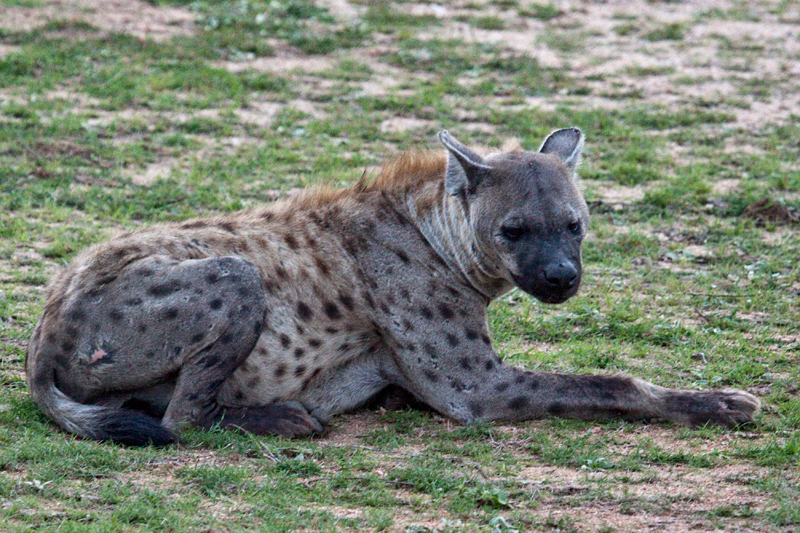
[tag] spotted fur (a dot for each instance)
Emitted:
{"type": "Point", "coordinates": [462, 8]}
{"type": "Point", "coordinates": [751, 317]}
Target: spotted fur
{"type": "Point", "coordinates": [273, 319]}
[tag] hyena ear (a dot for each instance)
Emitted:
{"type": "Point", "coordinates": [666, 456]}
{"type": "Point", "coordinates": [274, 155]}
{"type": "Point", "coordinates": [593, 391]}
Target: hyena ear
{"type": "Point", "coordinates": [566, 145]}
{"type": "Point", "coordinates": [464, 167]}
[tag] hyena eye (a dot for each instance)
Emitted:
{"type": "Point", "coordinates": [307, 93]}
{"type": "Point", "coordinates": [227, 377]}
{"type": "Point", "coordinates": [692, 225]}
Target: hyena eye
{"type": "Point", "coordinates": [513, 233]}
{"type": "Point", "coordinates": [574, 227]}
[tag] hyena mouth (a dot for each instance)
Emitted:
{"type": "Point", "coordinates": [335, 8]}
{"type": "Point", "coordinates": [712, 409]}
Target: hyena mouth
{"type": "Point", "coordinates": [548, 293]}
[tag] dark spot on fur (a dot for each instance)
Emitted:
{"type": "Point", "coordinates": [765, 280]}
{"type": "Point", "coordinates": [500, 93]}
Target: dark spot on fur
{"type": "Point", "coordinates": [132, 302]}
{"type": "Point", "coordinates": [197, 337]}
{"type": "Point", "coordinates": [446, 312]}
{"type": "Point", "coordinates": [489, 364]}
{"type": "Point", "coordinates": [347, 301]}
{"type": "Point", "coordinates": [533, 384]}
{"type": "Point", "coordinates": [230, 227]}
{"type": "Point", "coordinates": [142, 328]}
{"type": "Point", "coordinates": [171, 313]}
{"type": "Point", "coordinates": [402, 255]}
{"type": "Point", "coordinates": [67, 346]}
{"type": "Point", "coordinates": [268, 216]}
{"type": "Point", "coordinates": [426, 313]}
{"type": "Point", "coordinates": [254, 381]}
{"type": "Point", "coordinates": [431, 376]}
{"type": "Point", "coordinates": [194, 224]}
{"type": "Point", "coordinates": [291, 242]}
{"type": "Point", "coordinates": [280, 371]}
{"type": "Point", "coordinates": [226, 339]}
{"type": "Point", "coordinates": [557, 409]}
{"type": "Point", "coordinates": [430, 350]}
{"type": "Point", "coordinates": [115, 315]}
{"type": "Point", "coordinates": [285, 342]}
{"type": "Point", "coordinates": [476, 409]}
{"type": "Point", "coordinates": [465, 364]}
{"type": "Point", "coordinates": [300, 329]}
{"type": "Point", "coordinates": [452, 340]}
{"type": "Point", "coordinates": [76, 314]}
{"type": "Point", "coordinates": [471, 334]}
{"type": "Point", "coordinates": [242, 291]}
{"type": "Point", "coordinates": [239, 395]}
{"type": "Point", "coordinates": [502, 386]}
{"type": "Point", "coordinates": [486, 340]}
{"type": "Point", "coordinates": [164, 289]}
{"type": "Point", "coordinates": [332, 311]}
{"type": "Point", "coordinates": [368, 298]}
{"type": "Point", "coordinates": [517, 403]}
{"type": "Point", "coordinates": [520, 378]}
{"type": "Point", "coordinates": [212, 278]}
{"type": "Point", "coordinates": [332, 331]}
{"type": "Point", "coordinates": [314, 343]}
{"type": "Point", "coordinates": [407, 325]}
{"type": "Point", "coordinates": [344, 347]}
{"type": "Point", "coordinates": [299, 371]}
{"type": "Point", "coordinates": [303, 311]}
{"type": "Point", "coordinates": [299, 352]}
{"type": "Point", "coordinates": [215, 304]}
{"type": "Point", "coordinates": [280, 272]}
{"type": "Point", "coordinates": [322, 266]}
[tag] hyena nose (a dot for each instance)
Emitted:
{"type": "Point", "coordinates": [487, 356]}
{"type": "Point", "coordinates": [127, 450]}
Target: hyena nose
{"type": "Point", "coordinates": [561, 275]}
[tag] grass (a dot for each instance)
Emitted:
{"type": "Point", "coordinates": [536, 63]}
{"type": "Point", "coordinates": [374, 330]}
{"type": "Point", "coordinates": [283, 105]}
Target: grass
{"type": "Point", "coordinates": [686, 284]}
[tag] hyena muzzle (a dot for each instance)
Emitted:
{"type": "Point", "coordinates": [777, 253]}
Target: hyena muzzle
{"type": "Point", "coordinates": [271, 320]}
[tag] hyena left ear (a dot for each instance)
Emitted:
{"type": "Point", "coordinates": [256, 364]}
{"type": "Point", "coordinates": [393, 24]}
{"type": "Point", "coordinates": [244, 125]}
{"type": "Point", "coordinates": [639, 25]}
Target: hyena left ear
{"type": "Point", "coordinates": [464, 167]}
{"type": "Point", "coordinates": [566, 146]}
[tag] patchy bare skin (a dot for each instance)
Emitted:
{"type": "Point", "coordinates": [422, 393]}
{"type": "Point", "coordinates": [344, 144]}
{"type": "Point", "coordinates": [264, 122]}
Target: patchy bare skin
{"type": "Point", "coordinates": [272, 320]}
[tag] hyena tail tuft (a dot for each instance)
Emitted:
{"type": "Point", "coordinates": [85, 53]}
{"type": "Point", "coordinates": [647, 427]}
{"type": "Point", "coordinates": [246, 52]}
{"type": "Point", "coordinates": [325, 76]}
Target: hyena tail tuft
{"type": "Point", "coordinates": [96, 422]}
{"type": "Point", "coordinates": [121, 426]}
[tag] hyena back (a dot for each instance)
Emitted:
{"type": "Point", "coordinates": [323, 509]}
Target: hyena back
{"type": "Point", "coordinates": [272, 320]}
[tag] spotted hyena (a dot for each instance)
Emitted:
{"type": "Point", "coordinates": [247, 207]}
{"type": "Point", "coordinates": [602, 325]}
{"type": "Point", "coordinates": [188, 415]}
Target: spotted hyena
{"type": "Point", "coordinates": [270, 320]}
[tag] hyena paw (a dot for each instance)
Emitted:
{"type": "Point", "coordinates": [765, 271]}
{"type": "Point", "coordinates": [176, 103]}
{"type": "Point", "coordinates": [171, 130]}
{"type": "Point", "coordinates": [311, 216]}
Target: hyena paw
{"type": "Point", "coordinates": [287, 419]}
{"type": "Point", "coordinates": [291, 419]}
{"type": "Point", "coordinates": [729, 408]}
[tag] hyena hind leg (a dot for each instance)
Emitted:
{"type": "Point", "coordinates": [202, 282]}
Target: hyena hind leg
{"type": "Point", "coordinates": [194, 400]}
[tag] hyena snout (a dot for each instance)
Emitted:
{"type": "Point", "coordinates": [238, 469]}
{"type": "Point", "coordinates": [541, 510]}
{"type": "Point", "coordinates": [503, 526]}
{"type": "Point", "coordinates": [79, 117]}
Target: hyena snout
{"type": "Point", "coordinates": [561, 276]}
{"type": "Point", "coordinates": [551, 282]}
{"type": "Point", "coordinates": [559, 281]}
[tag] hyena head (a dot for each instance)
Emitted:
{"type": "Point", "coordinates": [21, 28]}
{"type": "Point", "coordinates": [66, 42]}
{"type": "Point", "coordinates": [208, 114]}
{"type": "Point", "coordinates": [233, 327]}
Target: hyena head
{"type": "Point", "coordinates": [526, 211]}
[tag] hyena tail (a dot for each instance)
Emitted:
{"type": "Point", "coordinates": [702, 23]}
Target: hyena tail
{"type": "Point", "coordinates": [96, 422]}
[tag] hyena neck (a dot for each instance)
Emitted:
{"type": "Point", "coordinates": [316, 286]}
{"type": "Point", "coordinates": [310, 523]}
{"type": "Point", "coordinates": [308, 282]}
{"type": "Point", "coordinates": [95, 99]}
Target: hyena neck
{"type": "Point", "coordinates": [442, 220]}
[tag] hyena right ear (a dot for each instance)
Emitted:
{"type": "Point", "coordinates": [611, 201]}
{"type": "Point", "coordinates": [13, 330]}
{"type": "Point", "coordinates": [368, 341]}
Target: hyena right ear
{"type": "Point", "coordinates": [566, 146]}
{"type": "Point", "coordinates": [464, 167]}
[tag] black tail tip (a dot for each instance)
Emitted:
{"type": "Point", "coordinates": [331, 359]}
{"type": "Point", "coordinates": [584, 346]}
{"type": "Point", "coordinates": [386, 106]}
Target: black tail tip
{"type": "Point", "coordinates": [132, 428]}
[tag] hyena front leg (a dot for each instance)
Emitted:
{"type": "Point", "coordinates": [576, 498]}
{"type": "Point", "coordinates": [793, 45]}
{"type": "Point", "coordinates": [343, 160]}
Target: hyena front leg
{"type": "Point", "coordinates": [467, 381]}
